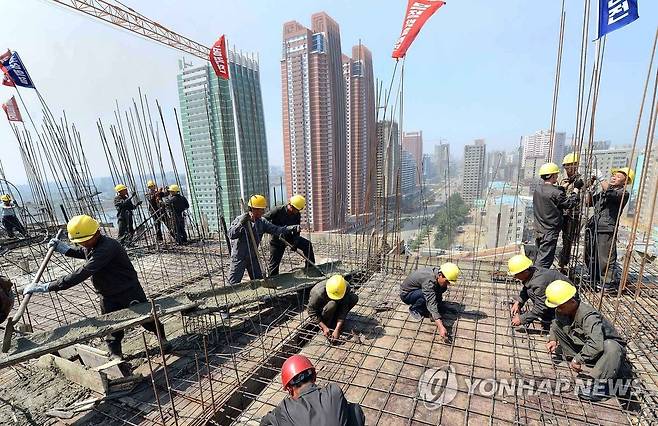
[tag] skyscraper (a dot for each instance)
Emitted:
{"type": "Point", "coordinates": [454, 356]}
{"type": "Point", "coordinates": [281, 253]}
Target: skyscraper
{"type": "Point", "coordinates": [408, 173]}
{"type": "Point", "coordinates": [537, 146]}
{"type": "Point", "coordinates": [474, 171]}
{"type": "Point", "coordinates": [442, 159]}
{"type": "Point", "coordinates": [388, 161]}
{"type": "Point", "coordinates": [412, 142]}
{"type": "Point", "coordinates": [314, 131]}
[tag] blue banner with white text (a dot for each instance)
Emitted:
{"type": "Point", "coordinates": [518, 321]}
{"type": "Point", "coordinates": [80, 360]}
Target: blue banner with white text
{"type": "Point", "coordinates": [14, 68]}
{"type": "Point", "coordinates": [614, 14]}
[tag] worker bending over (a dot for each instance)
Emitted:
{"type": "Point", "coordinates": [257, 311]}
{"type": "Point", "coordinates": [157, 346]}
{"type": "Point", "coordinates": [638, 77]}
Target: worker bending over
{"type": "Point", "coordinates": [423, 291]}
{"type": "Point", "coordinates": [177, 204]}
{"type": "Point", "coordinates": [10, 219]}
{"type": "Point", "coordinates": [112, 274]}
{"type": "Point", "coordinates": [535, 279]}
{"type": "Point", "coordinates": [571, 216]}
{"type": "Point", "coordinates": [154, 198]}
{"type": "Point", "coordinates": [549, 203]}
{"type": "Point", "coordinates": [125, 207]}
{"type": "Point", "coordinates": [329, 303]}
{"type": "Point", "coordinates": [580, 333]}
{"type": "Point", "coordinates": [310, 404]}
{"type": "Point", "coordinates": [285, 216]}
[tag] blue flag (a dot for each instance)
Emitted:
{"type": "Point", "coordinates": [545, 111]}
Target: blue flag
{"type": "Point", "coordinates": [614, 14]}
{"type": "Point", "coordinates": [14, 68]}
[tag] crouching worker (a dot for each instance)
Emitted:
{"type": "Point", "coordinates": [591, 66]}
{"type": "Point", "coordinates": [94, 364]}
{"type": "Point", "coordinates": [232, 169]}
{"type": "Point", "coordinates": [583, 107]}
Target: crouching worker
{"type": "Point", "coordinates": [112, 275]}
{"type": "Point", "coordinates": [310, 404]}
{"type": "Point", "coordinates": [582, 334]}
{"type": "Point", "coordinates": [329, 303]}
{"type": "Point", "coordinates": [423, 291]}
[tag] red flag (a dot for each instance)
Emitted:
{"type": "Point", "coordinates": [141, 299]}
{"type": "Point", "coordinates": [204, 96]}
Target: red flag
{"type": "Point", "coordinates": [418, 12]}
{"type": "Point", "coordinates": [6, 80]}
{"type": "Point", "coordinates": [12, 111]}
{"type": "Point", "coordinates": [218, 58]}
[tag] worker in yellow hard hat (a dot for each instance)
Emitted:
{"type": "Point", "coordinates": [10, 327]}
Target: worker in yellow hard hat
{"type": "Point", "coordinates": [423, 291]}
{"type": "Point", "coordinates": [600, 236]}
{"type": "Point", "coordinates": [177, 204]}
{"type": "Point", "coordinates": [570, 223]}
{"type": "Point", "coordinates": [154, 197]}
{"type": "Point", "coordinates": [289, 214]}
{"type": "Point", "coordinates": [125, 206]}
{"type": "Point", "coordinates": [583, 335]}
{"type": "Point", "coordinates": [112, 274]}
{"type": "Point", "coordinates": [329, 303]}
{"type": "Point", "coordinates": [549, 202]}
{"type": "Point", "coordinates": [10, 220]}
{"type": "Point", "coordinates": [243, 254]}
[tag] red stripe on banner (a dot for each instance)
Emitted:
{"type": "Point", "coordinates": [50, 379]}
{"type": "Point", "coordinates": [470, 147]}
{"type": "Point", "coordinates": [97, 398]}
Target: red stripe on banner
{"type": "Point", "coordinates": [418, 12]}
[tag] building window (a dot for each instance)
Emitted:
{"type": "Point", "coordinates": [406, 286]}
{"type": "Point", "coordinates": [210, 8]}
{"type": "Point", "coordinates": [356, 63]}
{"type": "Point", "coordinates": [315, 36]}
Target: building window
{"type": "Point", "coordinates": [318, 43]}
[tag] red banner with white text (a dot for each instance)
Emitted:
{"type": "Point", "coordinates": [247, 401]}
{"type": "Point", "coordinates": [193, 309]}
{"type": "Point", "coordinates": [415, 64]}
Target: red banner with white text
{"type": "Point", "coordinates": [12, 111]}
{"type": "Point", "coordinates": [418, 12]}
{"type": "Point", "coordinates": [218, 58]}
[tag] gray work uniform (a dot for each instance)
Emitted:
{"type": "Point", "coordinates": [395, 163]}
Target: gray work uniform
{"type": "Point", "coordinates": [590, 339]}
{"type": "Point", "coordinates": [177, 204]}
{"type": "Point", "coordinates": [154, 198]}
{"type": "Point", "coordinates": [316, 406]}
{"type": "Point", "coordinates": [322, 308]}
{"type": "Point", "coordinates": [279, 216]}
{"type": "Point", "coordinates": [534, 288]}
{"type": "Point", "coordinates": [571, 220]}
{"type": "Point", "coordinates": [10, 220]}
{"type": "Point", "coordinates": [422, 292]}
{"type": "Point", "coordinates": [125, 209]}
{"type": "Point", "coordinates": [549, 203]}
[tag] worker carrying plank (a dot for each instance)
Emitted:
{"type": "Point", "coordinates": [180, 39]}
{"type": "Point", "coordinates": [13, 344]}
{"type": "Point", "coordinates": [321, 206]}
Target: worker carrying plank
{"type": "Point", "coordinates": [423, 291]}
{"type": "Point", "coordinates": [154, 198]}
{"type": "Point", "coordinates": [580, 333]}
{"type": "Point", "coordinates": [549, 202]}
{"type": "Point", "coordinates": [571, 216]}
{"type": "Point", "coordinates": [124, 205]}
{"type": "Point", "coordinates": [329, 303]}
{"type": "Point", "coordinates": [535, 279]}
{"type": "Point", "coordinates": [177, 204]}
{"type": "Point", "coordinates": [285, 216]}
{"type": "Point", "coordinates": [310, 404]}
{"type": "Point", "coordinates": [243, 254]}
{"type": "Point", "coordinates": [112, 274]}
{"type": "Point", "coordinates": [10, 219]}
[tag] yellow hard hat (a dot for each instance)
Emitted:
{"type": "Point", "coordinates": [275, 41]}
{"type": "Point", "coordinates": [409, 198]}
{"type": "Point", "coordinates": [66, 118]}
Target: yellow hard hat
{"type": "Point", "coordinates": [120, 187]}
{"type": "Point", "coordinates": [298, 202]}
{"type": "Point", "coordinates": [518, 263]}
{"type": "Point", "coordinates": [336, 287]}
{"type": "Point", "coordinates": [559, 292]}
{"type": "Point", "coordinates": [258, 202]}
{"type": "Point", "coordinates": [82, 228]}
{"type": "Point", "coordinates": [5, 197]}
{"type": "Point", "coordinates": [570, 158]}
{"type": "Point", "coordinates": [450, 271]}
{"type": "Point", "coordinates": [630, 174]}
{"type": "Point", "coordinates": [549, 169]}
{"type": "Point", "coordinates": [150, 183]}
{"type": "Point", "coordinates": [173, 188]}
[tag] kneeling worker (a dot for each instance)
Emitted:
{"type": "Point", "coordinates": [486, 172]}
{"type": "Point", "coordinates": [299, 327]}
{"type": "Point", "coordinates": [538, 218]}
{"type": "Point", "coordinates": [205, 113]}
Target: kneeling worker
{"type": "Point", "coordinates": [329, 303]}
{"type": "Point", "coordinates": [585, 336]}
{"type": "Point", "coordinates": [423, 291]}
{"type": "Point", "coordinates": [112, 274]}
{"type": "Point", "coordinates": [310, 404]}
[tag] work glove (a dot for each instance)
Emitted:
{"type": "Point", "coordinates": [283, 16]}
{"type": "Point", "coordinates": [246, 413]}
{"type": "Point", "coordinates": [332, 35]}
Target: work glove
{"type": "Point", "coordinates": [36, 288]}
{"type": "Point", "coordinates": [245, 219]}
{"type": "Point", "coordinates": [134, 194]}
{"type": "Point", "coordinates": [293, 229]}
{"type": "Point", "coordinates": [578, 183]}
{"type": "Point", "coordinates": [60, 247]}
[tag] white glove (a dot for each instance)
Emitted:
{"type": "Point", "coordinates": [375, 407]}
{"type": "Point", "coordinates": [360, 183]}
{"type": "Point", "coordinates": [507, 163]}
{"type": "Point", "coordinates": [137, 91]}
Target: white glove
{"type": "Point", "coordinates": [60, 247]}
{"type": "Point", "coordinates": [36, 288]}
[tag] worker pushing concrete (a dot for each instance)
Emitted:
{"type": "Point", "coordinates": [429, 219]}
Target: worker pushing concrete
{"type": "Point", "coordinates": [112, 274]}
{"type": "Point", "coordinates": [10, 220]}
{"type": "Point", "coordinates": [285, 216]}
{"type": "Point", "coordinates": [600, 235]}
{"type": "Point", "coordinates": [310, 404]}
{"type": "Point", "coordinates": [177, 204]}
{"type": "Point", "coordinates": [423, 291]}
{"type": "Point", "coordinates": [243, 253]}
{"type": "Point", "coordinates": [329, 303]}
{"type": "Point", "coordinates": [535, 279]}
{"type": "Point", "coordinates": [580, 333]}
{"type": "Point", "coordinates": [125, 207]}
{"type": "Point", "coordinates": [549, 202]}
{"type": "Point", "coordinates": [571, 218]}
{"type": "Point", "coordinates": [154, 198]}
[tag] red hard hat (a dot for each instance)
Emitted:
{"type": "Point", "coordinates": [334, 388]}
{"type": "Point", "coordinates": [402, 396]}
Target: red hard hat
{"type": "Point", "coordinates": [293, 366]}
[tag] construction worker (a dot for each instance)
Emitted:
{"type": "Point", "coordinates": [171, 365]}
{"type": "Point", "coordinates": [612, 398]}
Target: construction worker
{"type": "Point", "coordinates": [571, 216]}
{"type": "Point", "coordinates": [243, 254]}
{"type": "Point", "coordinates": [10, 219]}
{"type": "Point", "coordinates": [310, 404]}
{"type": "Point", "coordinates": [6, 298]}
{"type": "Point", "coordinates": [580, 333]}
{"type": "Point", "coordinates": [535, 279]}
{"type": "Point", "coordinates": [285, 216]}
{"type": "Point", "coordinates": [154, 197]}
{"type": "Point", "coordinates": [112, 274]}
{"type": "Point", "coordinates": [600, 235]}
{"type": "Point", "coordinates": [423, 291]}
{"type": "Point", "coordinates": [177, 204]}
{"type": "Point", "coordinates": [329, 303]}
{"type": "Point", "coordinates": [125, 207]}
{"type": "Point", "coordinates": [549, 203]}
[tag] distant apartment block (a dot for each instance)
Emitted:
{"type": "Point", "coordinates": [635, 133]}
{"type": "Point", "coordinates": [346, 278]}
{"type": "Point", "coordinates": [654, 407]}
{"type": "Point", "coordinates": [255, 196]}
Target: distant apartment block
{"type": "Point", "coordinates": [412, 142]}
{"type": "Point", "coordinates": [538, 145]}
{"type": "Point", "coordinates": [474, 171]}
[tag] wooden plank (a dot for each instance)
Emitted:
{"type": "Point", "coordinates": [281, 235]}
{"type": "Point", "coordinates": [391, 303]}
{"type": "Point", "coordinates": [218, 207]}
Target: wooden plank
{"type": "Point", "coordinates": [77, 373]}
{"type": "Point", "coordinates": [99, 360]}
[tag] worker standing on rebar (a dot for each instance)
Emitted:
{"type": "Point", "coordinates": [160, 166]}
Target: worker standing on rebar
{"type": "Point", "coordinates": [329, 303]}
{"type": "Point", "coordinates": [243, 253]}
{"type": "Point", "coordinates": [285, 216]}
{"type": "Point", "coordinates": [600, 232]}
{"type": "Point", "coordinates": [423, 291]}
{"type": "Point", "coordinates": [177, 204]}
{"type": "Point", "coordinates": [310, 404]}
{"type": "Point", "coordinates": [112, 274]}
{"type": "Point", "coordinates": [154, 197]}
{"type": "Point", "coordinates": [549, 203]}
{"type": "Point", "coordinates": [125, 207]}
{"type": "Point", "coordinates": [580, 333]}
{"type": "Point", "coordinates": [10, 219]}
{"type": "Point", "coordinates": [571, 218]}
{"type": "Point", "coordinates": [535, 279]}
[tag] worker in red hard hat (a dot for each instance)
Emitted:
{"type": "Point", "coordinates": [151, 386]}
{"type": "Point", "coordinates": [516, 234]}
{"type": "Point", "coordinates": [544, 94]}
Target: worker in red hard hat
{"type": "Point", "coordinates": [308, 403]}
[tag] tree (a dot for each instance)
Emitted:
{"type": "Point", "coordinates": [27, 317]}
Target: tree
{"type": "Point", "coordinates": [448, 219]}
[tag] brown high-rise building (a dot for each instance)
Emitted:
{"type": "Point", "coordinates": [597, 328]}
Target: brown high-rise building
{"type": "Point", "coordinates": [313, 104]}
{"type": "Point", "coordinates": [412, 142]}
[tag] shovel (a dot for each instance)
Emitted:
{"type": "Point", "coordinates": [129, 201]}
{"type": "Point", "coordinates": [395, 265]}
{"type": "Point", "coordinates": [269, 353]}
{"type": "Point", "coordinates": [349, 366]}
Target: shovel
{"type": "Point", "coordinates": [9, 328]}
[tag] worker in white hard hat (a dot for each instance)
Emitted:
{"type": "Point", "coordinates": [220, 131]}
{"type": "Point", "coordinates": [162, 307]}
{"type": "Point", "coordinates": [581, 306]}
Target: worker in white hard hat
{"type": "Point", "coordinates": [571, 220]}
{"type": "Point", "coordinates": [423, 291]}
{"type": "Point", "coordinates": [289, 214]}
{"type": "Point", "coordinates": [329, 303]}
{"type": "Point", "coordinates": [125, 206]}
{"type": "Point", "coordinates": [10, 219]}
{"type": "Point", "coordinates": [177, 204]}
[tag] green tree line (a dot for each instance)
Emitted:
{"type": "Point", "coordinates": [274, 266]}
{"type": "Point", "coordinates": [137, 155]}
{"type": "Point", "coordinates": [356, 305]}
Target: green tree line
{"type": "Point", "coordinates": [448, 220]}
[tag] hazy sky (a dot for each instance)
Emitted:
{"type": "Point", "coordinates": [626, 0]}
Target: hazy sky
{"type": "Point", "coordinates": [479, 68]}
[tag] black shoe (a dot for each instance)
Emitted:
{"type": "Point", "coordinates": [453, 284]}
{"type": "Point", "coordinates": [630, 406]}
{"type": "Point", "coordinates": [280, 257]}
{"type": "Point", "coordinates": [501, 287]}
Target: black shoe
{"type": "Point", "coordinates": [167, 347]}
{"type": "Point", "coordinates": [595, 392]}
{"type": "Point", "coordinates": [608, 287]}
{"type": "Point", "coordinates": [415, 316]}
